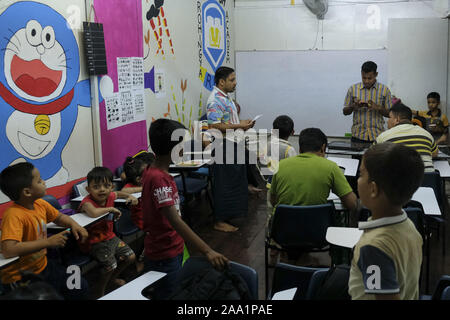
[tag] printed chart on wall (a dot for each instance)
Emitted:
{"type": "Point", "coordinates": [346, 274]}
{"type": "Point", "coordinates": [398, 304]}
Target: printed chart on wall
{"type": "Point", "coordinates": [128, 104]}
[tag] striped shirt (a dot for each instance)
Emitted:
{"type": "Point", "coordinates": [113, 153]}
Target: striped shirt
{"type": "Point", "coordinates": [415, 137]}
{"type": "Point", "coordinates": [368, 123]}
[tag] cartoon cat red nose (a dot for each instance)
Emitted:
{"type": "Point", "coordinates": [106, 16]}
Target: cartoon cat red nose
{"type": "Point", "coordinates": [34, 77]}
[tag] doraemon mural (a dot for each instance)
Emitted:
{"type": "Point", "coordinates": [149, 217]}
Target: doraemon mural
{"type": "Point", "coordinates": [39, 88]}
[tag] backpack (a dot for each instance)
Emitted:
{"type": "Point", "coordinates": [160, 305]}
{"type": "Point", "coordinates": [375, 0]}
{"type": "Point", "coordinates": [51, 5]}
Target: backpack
{"type": "Point", "coordinates": [211, 284]}
{"type": "Point", "coordinates": [335, 284]}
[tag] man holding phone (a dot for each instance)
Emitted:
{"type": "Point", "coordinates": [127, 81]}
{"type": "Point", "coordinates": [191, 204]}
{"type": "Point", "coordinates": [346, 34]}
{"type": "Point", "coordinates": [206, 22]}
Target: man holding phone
{"type": "Point", "coordinates": [369, 101]}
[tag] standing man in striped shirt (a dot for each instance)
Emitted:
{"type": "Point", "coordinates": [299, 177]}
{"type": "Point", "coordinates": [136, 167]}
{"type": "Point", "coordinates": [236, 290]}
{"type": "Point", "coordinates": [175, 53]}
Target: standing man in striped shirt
{"type": "Point", "coordinates": [369, 101]}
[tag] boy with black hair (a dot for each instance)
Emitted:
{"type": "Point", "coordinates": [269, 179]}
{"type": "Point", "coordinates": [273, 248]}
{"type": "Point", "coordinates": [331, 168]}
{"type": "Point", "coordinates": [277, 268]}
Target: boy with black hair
{"type": "Point", "coordinates": [436, 122]}
{"type": "Point", "coordinates": [113, 254]}
{"type": "Point", "coordinates": [165, 230]}
{"type": "Point", "coordinates": [388, 256]}
{"type": "Point", "coordinates": [402, 130]}
{"type": "Point", "coordinates": [308, 178]}
{"type": "Point", "coordinates": [369, 101]}
{"type": "Point", "coordinates": [24, 231]}
{"type": "Point", "coordinates": [283, 128]}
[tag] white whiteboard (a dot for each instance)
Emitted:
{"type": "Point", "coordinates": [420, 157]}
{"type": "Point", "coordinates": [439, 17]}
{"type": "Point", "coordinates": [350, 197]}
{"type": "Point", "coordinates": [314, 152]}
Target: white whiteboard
{"type": "Point", "coordinates": [308, 86]}
{"type": "Point", "coordinates": [418, 60]}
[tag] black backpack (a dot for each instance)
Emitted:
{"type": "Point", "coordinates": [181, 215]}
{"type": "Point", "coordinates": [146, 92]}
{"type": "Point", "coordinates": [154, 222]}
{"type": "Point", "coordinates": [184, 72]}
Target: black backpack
{"type": "Point", "coordinates": [335, 284]}
{"type": "Point", "coordinates": [211, 284]}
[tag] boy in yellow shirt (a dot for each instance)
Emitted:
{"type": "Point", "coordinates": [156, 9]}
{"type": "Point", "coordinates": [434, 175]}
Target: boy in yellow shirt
{"type": "Point", "coordinates": [436, 122]}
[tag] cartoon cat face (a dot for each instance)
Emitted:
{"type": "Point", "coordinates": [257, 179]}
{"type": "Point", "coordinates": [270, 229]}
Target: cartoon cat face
{"type": "Point", "coordinates": [38, 63]}
{"type": "Point", "coordinates": [39, 59]}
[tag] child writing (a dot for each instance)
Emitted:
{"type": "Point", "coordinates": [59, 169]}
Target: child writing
{"type": "Point", "coordinates": [436, 121]}
{"type": "Point", "coordinates": [133, 168]}
{"type": "Point", "coordinates": [388, 256]}
{"type": "Point", "coordinates": [24, 231]}
{"type": "Point", "coordinates": [166, 231]}
{"type": "Point", "coordinates": [113, 254]}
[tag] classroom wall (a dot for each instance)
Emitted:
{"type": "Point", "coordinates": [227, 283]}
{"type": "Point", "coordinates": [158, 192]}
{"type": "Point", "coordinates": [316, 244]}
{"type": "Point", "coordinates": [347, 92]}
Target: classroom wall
{"type": "Point", "coordinates": [44, 121]}
{"type": "Point", "coordinates": [178, 73]}
{"type": "Point", "coordinates": [182, 71]}
{"type": "Point", "coordinates": [179, 62]}
{"type": "Point", "coordinates": [277, 25]}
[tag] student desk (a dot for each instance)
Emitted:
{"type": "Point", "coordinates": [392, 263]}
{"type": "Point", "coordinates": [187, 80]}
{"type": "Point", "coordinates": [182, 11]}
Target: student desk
{"type": "Point", "coordinates": [186, 166]}
{"type": "Point", "coordinates": [427, 198]}
{"type": "Point", "coordinates": [6, 262]}
{"type": "Point", "coordinates": [346, 148]}
{"type": "Point", "coordinates": [3, 261]}
{"type": "Point", "coordinates": [172, 174]}
{"type": "Point", "coordinates": [344, 237]}
{"type": "Point", "coordinates": [441, 156]}
{"type": "Point", "coordinates": [137, 195]}
{"type": "Point", "coordinates": [443, 167]}
{"type": "Point", "coordinates": [350, 165]}
{"type": "Point", "coordinates": [81, 218]}
{"type": "Point", "coordinates": [133, 290]}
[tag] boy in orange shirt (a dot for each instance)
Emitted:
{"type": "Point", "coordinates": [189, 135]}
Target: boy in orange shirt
{"type": "Point", "coordinates": [24, 231]}
{"type": "Point", "coordinates": [113, 254]}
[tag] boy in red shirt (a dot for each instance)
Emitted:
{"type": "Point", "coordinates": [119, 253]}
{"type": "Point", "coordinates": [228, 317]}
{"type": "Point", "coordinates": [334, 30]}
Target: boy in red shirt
{"type": "Point", "coordinates": [113, 254]}
{"type": "Point", "coordinates": [165, 230]}
{"type": "Point", "coordinates": [24, 231]}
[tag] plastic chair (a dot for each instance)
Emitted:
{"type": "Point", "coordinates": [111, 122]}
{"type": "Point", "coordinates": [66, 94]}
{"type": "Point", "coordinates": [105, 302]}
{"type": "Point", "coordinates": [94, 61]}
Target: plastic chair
{"type": "Point", "coordinates": [442, 284]}
{"type": "Point", "coordinates": [446, 294]}
{"type": "Point", "coordinates": [316, 280]}
{"type": "Point", "coordinates": [288, 276]}
{"type": "Point", "coordinates": [434, 180]}
{"type": "Point", "coordinates": [125, 226]}
{"type": "Point", "coordinates": [416, 215]}
{"type": "Point", "coordinates": [53, 201]}
{"type": "Point", "coordinates": [299, 229]}
{"type": "Point", "coordinates": [79, 189]}
{"type": "Point", "coordinates": [193, 186]}
{"type": "Point", "coordinates": [249, 275]}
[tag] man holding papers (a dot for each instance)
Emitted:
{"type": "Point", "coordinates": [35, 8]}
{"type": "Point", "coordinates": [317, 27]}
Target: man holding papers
{"type": "Point", "coordinates": [230, 181]}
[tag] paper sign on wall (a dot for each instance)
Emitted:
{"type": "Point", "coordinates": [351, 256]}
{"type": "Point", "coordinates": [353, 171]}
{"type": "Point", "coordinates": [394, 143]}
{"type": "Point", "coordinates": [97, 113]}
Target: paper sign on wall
{"type": "Point", "coordinates": [160, 90]}
{"type": "Point", "coordinates": [127, 105]}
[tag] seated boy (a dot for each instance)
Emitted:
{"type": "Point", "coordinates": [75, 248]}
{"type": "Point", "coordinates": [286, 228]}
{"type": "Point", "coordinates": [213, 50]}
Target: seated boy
{"type": "Point", "coordinates": [24, 231]}
{"type": "Point", "coordinates": [113, 254]}
{"type": "Point", "coordinates": [436, 121]}
{"type": "Point", "coordinates": [387, 258]}
{"type": "Point", "coordinates": [165, 230]}
{"type": "Point", "coordinates": [283, 128]}
{"type": "Point", "coordinates": [269, 160]}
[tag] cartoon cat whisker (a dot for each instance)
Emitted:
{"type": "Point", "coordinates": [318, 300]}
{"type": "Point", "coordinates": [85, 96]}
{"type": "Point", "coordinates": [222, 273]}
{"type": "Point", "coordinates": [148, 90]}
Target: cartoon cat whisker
{"type": "Point", "coordinates": [15, 36]}
{"type": "Point", "coordinates": [10, 40]}
{"type": "Point", "coordinates": [4, 49]}
{"type": "Point", "coordinates": [64, 52]}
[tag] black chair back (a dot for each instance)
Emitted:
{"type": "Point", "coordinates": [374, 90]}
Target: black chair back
{"type": "Point", "coordinates": [434, 180]}
{"type": "Point", "coordinates": [53, 201]}
{"type": "Point", "coordinates": [286, 276]}
{"type": "Point", "coordinates": [302, 226]}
